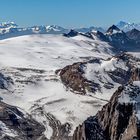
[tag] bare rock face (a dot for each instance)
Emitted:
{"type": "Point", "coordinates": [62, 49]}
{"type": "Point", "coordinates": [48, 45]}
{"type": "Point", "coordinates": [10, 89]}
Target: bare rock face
{"type": "Point", "coordinates": [72, 77]}
{"type": "Point", "coordinates": [98, 75]}
{"type": "Point", "coordinates": [118, 120]}
{"type": "Point", "coordinates": [134, 34]}
{"type": "Point", "coordinates": [135, 74]}
{"type": "Point", "coordinates": [114, 117]}
{"type": "Point", "coordinates": [15, 126]}
{"type": "Point", "coordinates": [89, 130]}
{"type": "Point", "coordinates": [5, 82]}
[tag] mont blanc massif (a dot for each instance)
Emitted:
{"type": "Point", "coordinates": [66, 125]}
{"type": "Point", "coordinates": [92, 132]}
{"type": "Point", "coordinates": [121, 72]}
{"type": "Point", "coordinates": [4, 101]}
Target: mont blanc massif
{"type": "Point", "coordinates": [70, 84]}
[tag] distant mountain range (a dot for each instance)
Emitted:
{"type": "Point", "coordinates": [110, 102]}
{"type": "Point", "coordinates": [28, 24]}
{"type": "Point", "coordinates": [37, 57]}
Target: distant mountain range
{"type": "Point", "coordinates": [128, 26]}
{"type": "Point", "coordinates": [123, 34]}
{"type": "Point", "coordinates": [11, 29]}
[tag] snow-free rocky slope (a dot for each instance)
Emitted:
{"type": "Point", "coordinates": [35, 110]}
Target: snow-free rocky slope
{"type": "Point", "coordinates": [118, 120]}
{"type": "Point", "coordinates": [14, 125]}
{"type": "Point", "coordinates": [55, 82]}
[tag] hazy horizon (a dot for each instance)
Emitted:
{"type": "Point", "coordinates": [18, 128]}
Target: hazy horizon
{"type": "Point", "coordinates": [70, 13]}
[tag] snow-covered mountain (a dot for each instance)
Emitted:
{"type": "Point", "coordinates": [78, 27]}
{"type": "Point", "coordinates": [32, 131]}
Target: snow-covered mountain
{"type": "Point", "coordinates": [119, 38]}
{"type": "Point", "coordinates": [10, 29]}
{"type": "Point", "coordinates": [56, 81]}
{"type": "Point", "coordinates": [113, 30]}
{"type": "Point", "coordinates": [92, 28]}
{"type": "Point", "coordinates": [38, 90]}
{"type": "Point", "coordinates": [134, 34]}
{"type": "Point", "coordinates": [128, 26]}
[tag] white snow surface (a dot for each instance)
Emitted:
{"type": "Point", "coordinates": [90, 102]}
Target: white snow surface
{"type": "Point", "coordinates": [97, 72]}
{"type": "Point", "coordinates": [49, 51]}
{"type": "Point", "coordinates": [22, 57]}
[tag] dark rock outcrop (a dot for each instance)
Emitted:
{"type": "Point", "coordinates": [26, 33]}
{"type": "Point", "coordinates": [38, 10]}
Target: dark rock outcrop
{"type": "Point", "coordinates": [73, 77]}
{"type": "Point", "coordinates": [118, 120]}
{"type": "Point", "coordinates": [100, 36]}
{"type": "Point", "coordinates": [134, 34]}
{"type": "Point", "coordinates": [5, 82]}
{"type": "Point", "coordinates": [119, 39]}
{"type": "Point", "coordinates": [74, 33]}
{"type": "Point", "coordinates": [112, 28]}
{"type": "Point", "coordinates": [89, 130]}
{"type": "Point", "coordinates": [14, 125]}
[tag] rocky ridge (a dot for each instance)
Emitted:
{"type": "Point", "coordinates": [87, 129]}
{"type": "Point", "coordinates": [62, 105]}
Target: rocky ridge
{"type": "Point", "coordinates": [118, 120]}
{"type": "Point", "coordinates": [16, 125]}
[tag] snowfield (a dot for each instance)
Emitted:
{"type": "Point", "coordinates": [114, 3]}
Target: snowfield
{"type": "Point", "coordinates": [31, 62]}
{"type": "Point", "coordinates": [98, 73]}
{"type": "Point", "coordinates": [49, 51]}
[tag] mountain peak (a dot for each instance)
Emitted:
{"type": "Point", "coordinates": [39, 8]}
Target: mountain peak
{"type": "Point", "coordinates": [8, 25]}
{"type": "Point", "coordinates": [54, 27]}
{"type": "Point", "coordinates": [127, 26]}
{"type": "Point", "coordinates": [122, 24]}
{"type": "Point", "coordinates": [71, 33]}
{"type": "Point", "coordinates": [113, 29]}
{"type": "Point", "coordinates": [135, 30]}
{"type": "Point", "coordinates": [134, 34]}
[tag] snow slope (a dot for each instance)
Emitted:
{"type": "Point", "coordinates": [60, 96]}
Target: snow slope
{"type": "Point", "coordinates": [31, 62]}
{"type": "Point", "coordinates": [39, 50]}
{"type": "Point", "coordinates": [101, 73]}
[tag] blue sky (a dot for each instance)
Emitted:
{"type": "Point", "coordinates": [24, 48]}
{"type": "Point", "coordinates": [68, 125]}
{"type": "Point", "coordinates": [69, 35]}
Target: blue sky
{"type": "Point", "coordinates": [69, 13]}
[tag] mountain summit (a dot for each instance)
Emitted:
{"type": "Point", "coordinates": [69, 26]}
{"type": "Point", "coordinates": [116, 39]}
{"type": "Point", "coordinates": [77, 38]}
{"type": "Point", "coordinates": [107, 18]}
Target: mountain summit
{"type": "Point", "coordinates": [113, 29]}
{"type": "Point", "coordinates": [126, 26]}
